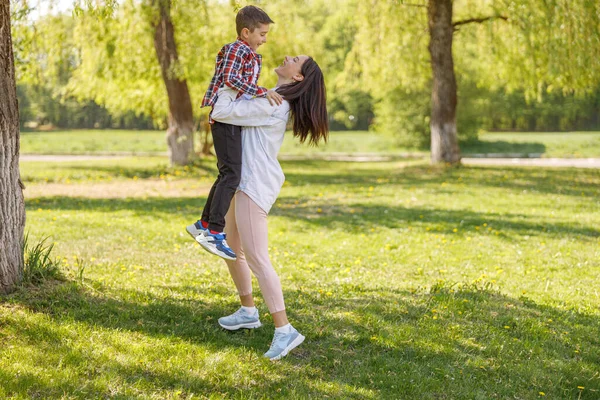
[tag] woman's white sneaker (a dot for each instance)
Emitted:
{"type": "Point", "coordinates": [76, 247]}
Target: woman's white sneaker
{"type": "Point", "coordinates": [283, 343]}
{"type": "Point", "coordinates": [240, 319]}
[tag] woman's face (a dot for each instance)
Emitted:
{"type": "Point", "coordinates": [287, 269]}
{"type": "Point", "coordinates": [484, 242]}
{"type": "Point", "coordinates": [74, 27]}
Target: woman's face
{"type": "Point", "coordinates": [291, 68]}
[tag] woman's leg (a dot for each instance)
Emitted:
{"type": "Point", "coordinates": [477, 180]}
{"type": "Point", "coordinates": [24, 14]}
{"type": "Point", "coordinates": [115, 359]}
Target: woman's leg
{"type": "Point", "coordinates": [252, 228]}
{"type": "Point", "coordinates": [238, 269]}
{"type": "Point", "coordinates": [251, 223]}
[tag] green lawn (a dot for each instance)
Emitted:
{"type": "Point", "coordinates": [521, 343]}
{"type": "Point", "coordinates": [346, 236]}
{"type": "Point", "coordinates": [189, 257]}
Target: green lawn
{"type": "Point", "coordinates": [572, 144]}
{"type": "Point", "coordinates": [141, 142]}
{"type": "Point", "coordinates": [408, 281]}
{"type": "Point", "coordinates": [93, 141]}
{"type": "Point", "coordinates": [553, 144]}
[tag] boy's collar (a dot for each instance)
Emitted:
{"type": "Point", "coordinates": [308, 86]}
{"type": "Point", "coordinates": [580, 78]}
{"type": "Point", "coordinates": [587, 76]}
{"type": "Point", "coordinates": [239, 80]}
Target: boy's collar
{"type": "Point", "coordinates": [246, 43]}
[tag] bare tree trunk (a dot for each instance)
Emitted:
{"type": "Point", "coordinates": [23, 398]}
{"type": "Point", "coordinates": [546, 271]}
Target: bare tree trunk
{"type": "Point", "coordinates": [444, 139]}
{"type": "Point", "coordinates": [206, 137]}
{"type": "Point", "coordinates": [12, 206]}
{"type": "Point", "coordinates": [181, 119]}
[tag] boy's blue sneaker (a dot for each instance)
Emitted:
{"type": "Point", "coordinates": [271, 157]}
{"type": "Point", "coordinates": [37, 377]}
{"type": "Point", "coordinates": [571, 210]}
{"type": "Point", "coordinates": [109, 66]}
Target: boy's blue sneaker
{"type": "Point", "coordinates": [283, 343]}
{"type": "Point", "coordinates": [195, 229]}
{"type": "Point", "coordinates": [215, 243]}
{"type": "Point", "coordinates": [240, 319]}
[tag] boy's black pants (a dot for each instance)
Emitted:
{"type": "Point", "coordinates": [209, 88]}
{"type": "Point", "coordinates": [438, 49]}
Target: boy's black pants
{"type": "Point", "coordinates": [227, 140]}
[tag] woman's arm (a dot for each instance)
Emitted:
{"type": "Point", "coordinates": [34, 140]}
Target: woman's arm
{"type": "Point", "coordinates": [242, 112]}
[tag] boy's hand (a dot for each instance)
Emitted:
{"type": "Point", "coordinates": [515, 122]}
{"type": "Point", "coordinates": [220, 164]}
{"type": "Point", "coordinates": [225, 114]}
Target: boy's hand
{"type": "Point", "coordinates": [274, 98]}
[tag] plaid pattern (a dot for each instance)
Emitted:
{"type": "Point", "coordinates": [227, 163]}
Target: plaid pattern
{"type": "Point", "coordinates": [235, 68]}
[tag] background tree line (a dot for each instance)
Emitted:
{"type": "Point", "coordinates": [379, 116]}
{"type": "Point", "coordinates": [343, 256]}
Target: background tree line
{"type": "Point", "coordinates": [83, 71]}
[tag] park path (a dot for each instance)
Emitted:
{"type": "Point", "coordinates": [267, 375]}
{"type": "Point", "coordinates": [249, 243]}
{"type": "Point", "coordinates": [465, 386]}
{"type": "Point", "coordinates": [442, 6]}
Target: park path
{"type": "Point", "coordinates": [365, 157]}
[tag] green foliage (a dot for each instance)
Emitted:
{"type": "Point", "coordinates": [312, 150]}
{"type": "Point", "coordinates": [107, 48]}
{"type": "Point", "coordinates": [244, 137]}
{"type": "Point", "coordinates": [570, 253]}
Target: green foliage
{"type": "Point", "coordinates": [536, 70]}
{"type": "Point", "coordinates": [351, 110]}
{"type": "Point", "coordinates": [39, 265]}
{"type": "Point", "coordinates": [405, 113]}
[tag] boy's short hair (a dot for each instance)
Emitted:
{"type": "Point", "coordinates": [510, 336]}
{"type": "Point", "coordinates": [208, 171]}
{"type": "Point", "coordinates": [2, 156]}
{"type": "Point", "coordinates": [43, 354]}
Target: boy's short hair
{"type": "Point", "coordinates": [251, 17]}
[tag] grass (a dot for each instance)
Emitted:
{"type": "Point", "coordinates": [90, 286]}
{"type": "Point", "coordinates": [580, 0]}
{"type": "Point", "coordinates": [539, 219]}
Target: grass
{"type": "Point", "coordinates": [548, 144]}
{"type": "Point", "coordinates": [92, 141]}
{"type": "Point", "coordinates": [571, 144]}
{"type": "Point", "coordinates": [144, 142]}
{"type": "Point", "coordinates": [39, 265]}
{"type": "Point", "coordinates": [409, 282]}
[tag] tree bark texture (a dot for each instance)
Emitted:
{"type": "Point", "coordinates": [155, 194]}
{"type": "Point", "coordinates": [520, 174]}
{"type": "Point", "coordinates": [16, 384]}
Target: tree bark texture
{"type": "Point", "coordinates": [12, 206]}
{"type": "Point", "coordinates": [181, 119]}
{"type": "Point", "coordinates": [444, 139]}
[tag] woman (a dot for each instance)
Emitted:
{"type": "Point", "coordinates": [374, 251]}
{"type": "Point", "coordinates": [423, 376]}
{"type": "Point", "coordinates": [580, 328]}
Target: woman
{"type": "Point", "coordinates": [300, 82]}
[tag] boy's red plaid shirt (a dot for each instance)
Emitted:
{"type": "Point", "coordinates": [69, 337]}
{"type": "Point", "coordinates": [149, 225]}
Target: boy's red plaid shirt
{"type": "Point", "coordinates": [235, 66]}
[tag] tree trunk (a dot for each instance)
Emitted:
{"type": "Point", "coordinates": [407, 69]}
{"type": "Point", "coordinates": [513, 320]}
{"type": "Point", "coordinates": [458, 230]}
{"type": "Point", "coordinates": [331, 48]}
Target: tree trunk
{"type": "Point", "coordinates": [206, 137]}
{"type": "Point", "coordinates": [12, 206]}
{"type": "Point", "coordinates": [181, 119]}
{"type": "Point", "coordinates": [444, 140]}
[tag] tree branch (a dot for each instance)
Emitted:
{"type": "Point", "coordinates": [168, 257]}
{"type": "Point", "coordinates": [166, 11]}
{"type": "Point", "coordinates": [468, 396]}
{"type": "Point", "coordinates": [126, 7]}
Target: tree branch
{"type": "Point", "coordinates": [478, 20]}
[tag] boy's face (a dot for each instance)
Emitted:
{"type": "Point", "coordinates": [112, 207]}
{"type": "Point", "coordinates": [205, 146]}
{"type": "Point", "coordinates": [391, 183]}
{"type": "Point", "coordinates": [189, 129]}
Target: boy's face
{"type": "Point", "coordinates": [257, 37]}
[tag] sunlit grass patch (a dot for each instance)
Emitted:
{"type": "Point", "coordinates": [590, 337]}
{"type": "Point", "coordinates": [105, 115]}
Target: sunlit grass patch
{"type": "Point", "coordinates": [408, 282]}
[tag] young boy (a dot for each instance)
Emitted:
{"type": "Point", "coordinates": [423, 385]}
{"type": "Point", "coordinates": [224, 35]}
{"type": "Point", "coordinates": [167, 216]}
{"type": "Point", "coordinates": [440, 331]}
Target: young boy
{"type": "Point", "coordinates": [238, 67]}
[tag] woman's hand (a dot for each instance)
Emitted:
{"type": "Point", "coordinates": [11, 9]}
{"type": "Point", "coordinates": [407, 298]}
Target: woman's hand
{"type": "Point", "coordinates": [274, 98]}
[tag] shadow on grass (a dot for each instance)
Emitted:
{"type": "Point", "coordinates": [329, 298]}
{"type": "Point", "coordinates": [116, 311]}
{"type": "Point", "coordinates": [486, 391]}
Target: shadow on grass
{"type": "Point", "coordinates": [348, 217]}
{"type": "Point", "coordinates": [563, 181]}
{"type": "Point", "coordinates": [120, 169]}
{"type": "Point", "coordinates": [357, 217]}
{"type": "Point", "coordinates": [449, 343]}
{"type": "Point", "coordinates": [200, 168]}
{"type": "Point", "coordinates": [501, 146]}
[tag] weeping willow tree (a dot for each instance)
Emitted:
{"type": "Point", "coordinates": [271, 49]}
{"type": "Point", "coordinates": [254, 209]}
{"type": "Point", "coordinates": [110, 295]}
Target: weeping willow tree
{"type": "Point", "coordinates": [118, 54]}
{"type": "Point", "coordinates": [130, 59]}
{"type": "Point", "coordinates": [404, 48]}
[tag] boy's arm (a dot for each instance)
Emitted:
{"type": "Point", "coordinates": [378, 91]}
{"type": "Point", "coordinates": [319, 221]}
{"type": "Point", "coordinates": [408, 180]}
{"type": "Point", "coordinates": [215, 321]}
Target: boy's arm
{"type": "Point", "coordinates": [240, 112]}
{"type": "Point", "coordinates": [232, 75]}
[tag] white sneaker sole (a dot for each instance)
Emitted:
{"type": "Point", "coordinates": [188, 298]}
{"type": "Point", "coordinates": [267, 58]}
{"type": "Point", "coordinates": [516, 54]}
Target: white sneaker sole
{"type": "Point", "coordinates": [252, 325]}
{"type": "Point", "coordinates": [211, 248]}
{"type": "Point", "coordinates": [297, 342]}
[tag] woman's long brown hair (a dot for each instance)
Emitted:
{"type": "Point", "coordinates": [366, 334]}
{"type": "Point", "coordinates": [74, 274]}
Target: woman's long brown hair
{"type": "Point", "coordinates": [308, 100]}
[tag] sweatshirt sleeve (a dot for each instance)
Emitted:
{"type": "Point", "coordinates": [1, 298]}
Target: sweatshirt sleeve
{"type": "Point", "coordinates": [242, 112]}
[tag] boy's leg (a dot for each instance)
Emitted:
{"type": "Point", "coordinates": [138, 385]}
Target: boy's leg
{"type": "Point", "coordinates": [227, 140]}
{"type": "Point", "coordinates": [200, 226]}
{"type": "Point", "coordinates": [206, 210]}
